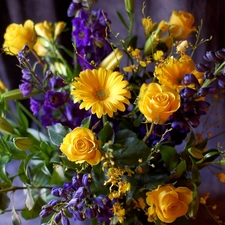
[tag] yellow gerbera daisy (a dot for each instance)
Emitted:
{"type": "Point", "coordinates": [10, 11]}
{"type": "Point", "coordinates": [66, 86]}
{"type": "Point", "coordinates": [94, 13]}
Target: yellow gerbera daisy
{"type": "Point", "coordinates": [104, 91]}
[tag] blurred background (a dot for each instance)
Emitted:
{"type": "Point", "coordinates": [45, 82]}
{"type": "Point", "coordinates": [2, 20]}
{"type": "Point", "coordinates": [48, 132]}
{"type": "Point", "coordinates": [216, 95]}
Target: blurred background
{"type": "Point", "coordinates": [211, 12]}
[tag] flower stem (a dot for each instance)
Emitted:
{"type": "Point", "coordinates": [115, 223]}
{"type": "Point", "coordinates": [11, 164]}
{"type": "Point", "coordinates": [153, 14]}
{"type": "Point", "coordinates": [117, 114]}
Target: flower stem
{"type": "Point", "coordinates": [148, 133]}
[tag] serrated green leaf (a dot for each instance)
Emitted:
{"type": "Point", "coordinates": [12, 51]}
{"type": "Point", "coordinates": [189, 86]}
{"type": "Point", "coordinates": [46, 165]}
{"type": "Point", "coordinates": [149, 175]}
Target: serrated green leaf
{"type": "Point", "coordinates": [56, 133]}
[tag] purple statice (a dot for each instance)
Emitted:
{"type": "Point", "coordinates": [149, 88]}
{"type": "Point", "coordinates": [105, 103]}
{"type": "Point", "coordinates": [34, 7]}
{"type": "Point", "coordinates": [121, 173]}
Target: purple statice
{"type": "Point", "coordinates": [35, 106]}
{"type": "Point", "coordinates": [76, 199]}
{"type": "Point", "coordinates": [89, 34]}
{"type": "Point", "coordinates": [27, 85]}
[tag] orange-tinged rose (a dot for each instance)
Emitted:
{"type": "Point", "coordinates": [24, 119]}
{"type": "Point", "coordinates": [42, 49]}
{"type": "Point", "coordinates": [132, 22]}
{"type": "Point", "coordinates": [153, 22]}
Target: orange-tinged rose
{"type": "Point", "coordinates": [158, 102]}
{"type": "Point", "coordinates": [81, 145]}
{"type": "Point", "coordinates": [17, 35]}
{"type": "Point", "coordinates": [168, 203]}
{"type": "Point", "coordinates": [181, 24]}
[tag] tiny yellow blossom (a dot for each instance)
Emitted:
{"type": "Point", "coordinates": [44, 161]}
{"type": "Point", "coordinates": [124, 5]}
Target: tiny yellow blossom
{"type": "Point", "coordinates": [157, 55]}
{"type": "Point", "coordinates": [147, 24]}
{"type": "Point", "coordinates": [221, 177]}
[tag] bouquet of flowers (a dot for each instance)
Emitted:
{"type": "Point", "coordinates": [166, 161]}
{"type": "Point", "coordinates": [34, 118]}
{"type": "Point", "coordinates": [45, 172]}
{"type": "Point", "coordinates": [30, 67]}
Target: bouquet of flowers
{"type": "Point", "coordinates": [110, 134]}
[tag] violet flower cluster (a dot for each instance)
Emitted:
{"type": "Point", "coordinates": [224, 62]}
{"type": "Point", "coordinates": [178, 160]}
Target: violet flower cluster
{"type": "Point", "coordinates": [90, 35]}
{"type": "Point", "coordinates": [76, 200]}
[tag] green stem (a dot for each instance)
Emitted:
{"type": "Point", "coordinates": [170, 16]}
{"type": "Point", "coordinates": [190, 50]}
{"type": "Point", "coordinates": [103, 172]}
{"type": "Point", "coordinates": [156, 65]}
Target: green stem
{"type": "Point", "coordinates": [148, 133]}
{"type": "Point", "coordinates": [15, 188]}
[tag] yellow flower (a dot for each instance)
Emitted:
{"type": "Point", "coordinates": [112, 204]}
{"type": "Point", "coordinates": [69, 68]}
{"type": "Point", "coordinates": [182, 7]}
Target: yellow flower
{"type": "Point", "coordinates": [101, 90]}
{"type": "Point", "coordinates": [158, 102]}
{"type": "Point", "coordinates": [181, 24]}
{"type": "Point", "coordinates": [41, 47]}
{"type": "Point", "coordinates": [17, 35]}
{"type": "Point", "coordinates": [49, 31]}
{"type": "Point", "coordinates": [168, 203]}
{"type": "Point", "coordinates": [2, 87]}
{"type": "Point", "coordinates": [147, 24]}
{"type": "Point", "coordinates": [81, 145]}
{"type": "Point", "coordinates": [171, 71]}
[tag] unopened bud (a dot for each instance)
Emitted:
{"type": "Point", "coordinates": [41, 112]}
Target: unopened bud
{"type": "Point", "coordinates": [59, 27]}
{"type": "Point", "coordinates": [112, 60]}
{"type": "Point", "coordinates": [5, 126]}
{"type": "Point", "coordinates": [129, 6]}
{"type": "Point", "coordinates": [22, 143]}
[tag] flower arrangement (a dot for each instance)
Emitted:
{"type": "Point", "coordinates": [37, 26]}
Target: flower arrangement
{"type": "Point", "coordinates": [104, 139]}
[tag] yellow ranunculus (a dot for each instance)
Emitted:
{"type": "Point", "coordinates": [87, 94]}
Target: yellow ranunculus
{"type": "Point", "coordinates": [158, 102]}
{"type": "Point", "coordinates": [81, 145]}
{"type": "Point", "coordinates": [17, 35]}
{"type": "Point", "coordinates": [168, 203]}
{"type": "Point", "coordinates": [172, 71]}
{"type": "Point", "coordinates": [181, 24]}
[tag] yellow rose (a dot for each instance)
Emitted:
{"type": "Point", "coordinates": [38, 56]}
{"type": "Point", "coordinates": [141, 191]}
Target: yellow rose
{"type": "Point", "coordinates": [168, 203]}
{"type": "Point", "coordinates": [17, 35]}
{"type": "Point", "coordinates": [158, 102]}
{"type": "Point", "coordinates": [81, 145]}
{"type": "Point", "coordinates": [181, 24]}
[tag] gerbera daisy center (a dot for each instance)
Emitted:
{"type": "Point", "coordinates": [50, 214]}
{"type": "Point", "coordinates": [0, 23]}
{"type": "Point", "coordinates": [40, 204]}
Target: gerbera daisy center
{"type": "Point", "coordinates": [101, 94]}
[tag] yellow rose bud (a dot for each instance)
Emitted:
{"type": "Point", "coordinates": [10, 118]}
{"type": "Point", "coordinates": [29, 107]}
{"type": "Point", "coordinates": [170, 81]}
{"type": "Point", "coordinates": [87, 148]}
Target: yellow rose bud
{"type": "Point", "coordinates": [181, 24]}
{"type": "Point", "coordinates": [22, 143]}
{"type": "Point", "coordinates": [81, 145]}
{"type": "Point", "coordinates": [59, 27]}
{"type": "Point", "coordinates": [17, 35]}
{"type": "Point", "coordinates": [158, 102]}
{"type": "Point", "coordinates": [168, 203]}
{"type": "Point", "coordinates": [112, 60]}
{"type": "Point", "coordinates": [5, 126]}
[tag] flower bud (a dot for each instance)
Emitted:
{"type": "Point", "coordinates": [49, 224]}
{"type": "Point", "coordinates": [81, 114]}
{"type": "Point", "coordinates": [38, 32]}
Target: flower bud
{"type": "Point", "coordinates": [59, 27]}
{"type": "Point", "coordinates": [200, 67]}
{"type": "Point", "coordinates": [112, 60]}
{"type": "Point", "coordinates": [220, 54]}
{"type": "Point", "coordinates": [208, 75]}
{"type": "Point", "coordinates": [90, 213]}
{"type": "Point", "coordinates": [129, 6]}
{"type": "Point", "coordinates": [190, 79]}
{"type": "Point", "coordinates": [187, 92]}
{"type": "Point", "coordinates": [22, 143]}
{"type": "Point", "coordinates": [151, 42]}
{"type": "Point", "coordinates": [210, 56]}
{"type": "Point", "coordinates": [5, 126]}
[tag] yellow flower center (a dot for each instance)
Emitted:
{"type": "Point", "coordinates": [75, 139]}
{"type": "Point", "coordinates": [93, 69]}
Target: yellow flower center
{"type": "Point", "coordinates": [101, 94]}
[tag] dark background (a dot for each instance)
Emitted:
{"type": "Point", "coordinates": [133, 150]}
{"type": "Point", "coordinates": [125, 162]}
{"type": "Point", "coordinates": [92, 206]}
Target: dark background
{"type": "Point", "coordinates": [212, 12]}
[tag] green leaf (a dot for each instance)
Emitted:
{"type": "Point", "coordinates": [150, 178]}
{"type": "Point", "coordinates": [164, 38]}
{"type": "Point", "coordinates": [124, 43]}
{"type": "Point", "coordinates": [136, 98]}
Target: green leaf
{"type": "Point", "coordinates": [106, 134]}
{"type": "Point", "coordinates": [181, 220]}
{"type": "Point", "coordinates": [180, 169]}
{"type": "Point", "coordinates": [23, 121]}
{"type": "Point", "coordinates": [3, 174]}
{"type": "Point", "coordinates": [41, 175]}
{"type": "Point", "coordinates": [4, 201]}
{"type": "Point", "coordinates": [15, 153]}
{"type": "Point", "coordinates": [169, 156]}
{"type": "Point", "coordinates": [86, 122]}
{"type": "Point", "coordinates": [98, 179]}
{"type": "Point", "coordinates": [122, 20]}
{"type": "Point", "coordinates": [195, 203]}
{"type": "Point", "coordinates": [196, 153]}
{"type": "Point", "coordinates": [128, 149]}
{"type": "Point", "coordinates": [34, 212]}
{"type": "Point", "coordinates": [56, 133]}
